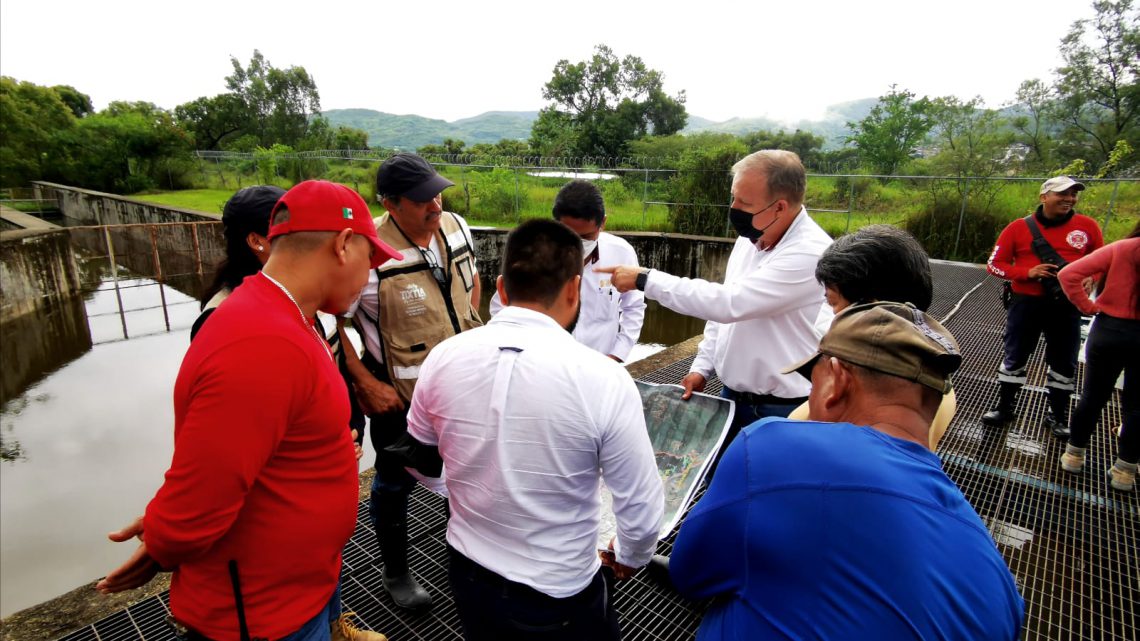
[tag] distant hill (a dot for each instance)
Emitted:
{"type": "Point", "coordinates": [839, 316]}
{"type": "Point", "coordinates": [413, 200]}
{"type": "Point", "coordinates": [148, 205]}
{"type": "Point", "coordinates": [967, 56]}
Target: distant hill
{"type": "Point", "coordinates": [411, 131]}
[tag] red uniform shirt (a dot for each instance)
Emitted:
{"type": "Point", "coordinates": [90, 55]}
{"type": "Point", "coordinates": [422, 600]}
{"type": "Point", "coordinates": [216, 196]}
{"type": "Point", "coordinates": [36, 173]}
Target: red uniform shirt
{"type": "Point", "coordinates": [1013, 255]}
{"type": "Point", "coordinates": [1119, 263]}
{"type": "Point", "coordinates": [263, 471]}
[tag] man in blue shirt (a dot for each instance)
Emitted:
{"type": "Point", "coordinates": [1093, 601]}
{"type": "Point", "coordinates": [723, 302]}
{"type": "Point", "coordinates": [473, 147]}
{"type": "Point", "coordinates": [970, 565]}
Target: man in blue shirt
{"type": "Point", "coordinates": [845, 526]}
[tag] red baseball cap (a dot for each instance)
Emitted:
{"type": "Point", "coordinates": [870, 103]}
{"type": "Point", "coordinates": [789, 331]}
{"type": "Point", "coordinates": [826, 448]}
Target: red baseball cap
{"type": "Point", "coordinates": [320, 205]}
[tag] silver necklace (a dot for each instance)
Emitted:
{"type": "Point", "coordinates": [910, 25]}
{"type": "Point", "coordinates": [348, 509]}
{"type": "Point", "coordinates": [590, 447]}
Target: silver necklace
{"type": "Point", "coordinates": [316, 334]}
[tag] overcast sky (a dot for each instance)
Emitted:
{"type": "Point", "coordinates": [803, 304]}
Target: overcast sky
{"type": "Point", "coordinates": [444, 59]}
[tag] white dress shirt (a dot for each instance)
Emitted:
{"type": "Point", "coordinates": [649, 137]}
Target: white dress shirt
{"type": "Point", "coordinates": [528, 421]}
{"type": "Point", "coordinates": [611, 321]}
{"type": "Point", "coordinates": [765, 316]}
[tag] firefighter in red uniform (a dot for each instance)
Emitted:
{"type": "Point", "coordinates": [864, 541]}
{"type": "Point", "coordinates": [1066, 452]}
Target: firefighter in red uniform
{"type": "Point", "coordinates": [1036, 303]}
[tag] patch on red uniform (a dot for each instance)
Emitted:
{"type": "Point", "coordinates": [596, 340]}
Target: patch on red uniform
{"type": "Point", "coordinates": [1077, 239]}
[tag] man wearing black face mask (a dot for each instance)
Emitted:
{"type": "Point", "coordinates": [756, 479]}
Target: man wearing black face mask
{"type": "Point", "coordinates": [765, 312]}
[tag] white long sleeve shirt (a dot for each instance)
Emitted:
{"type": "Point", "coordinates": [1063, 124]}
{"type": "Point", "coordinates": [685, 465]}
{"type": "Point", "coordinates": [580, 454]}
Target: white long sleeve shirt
{"type": "Point", "coordinates": [610, 322]}
{"type": "Point", "coordinates": [527, 422]}
{"type": "Point", "coordinates": [765, 316]}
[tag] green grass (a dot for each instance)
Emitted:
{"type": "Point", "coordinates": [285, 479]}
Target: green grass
{"type": "Point", "coordinates": [489, 199]}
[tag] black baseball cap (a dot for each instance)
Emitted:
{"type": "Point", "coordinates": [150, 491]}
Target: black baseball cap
{"type": "Point", "coordinates": [248, 210]}
{"type": "Point", "coordinates": [409, 176]}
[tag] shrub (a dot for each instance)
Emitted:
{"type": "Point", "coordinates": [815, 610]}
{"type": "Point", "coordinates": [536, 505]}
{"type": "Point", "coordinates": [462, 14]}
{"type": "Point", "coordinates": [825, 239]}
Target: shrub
{"type": "Point", "coordinates": [704, 182]}
{"type": "Point", "coordinates": [937, 229]}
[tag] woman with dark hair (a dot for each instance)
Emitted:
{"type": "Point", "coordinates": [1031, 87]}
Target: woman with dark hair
{"type": "Point", "coordinates": [880, 263]}
{"type": "Point", "coordinates": [245, 223]}
{"type": "Point", "coordinates": [1113, 346]}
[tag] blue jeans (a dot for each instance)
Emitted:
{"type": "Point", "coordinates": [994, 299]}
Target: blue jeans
{"type": "Point", "coordinates": [317, 629]}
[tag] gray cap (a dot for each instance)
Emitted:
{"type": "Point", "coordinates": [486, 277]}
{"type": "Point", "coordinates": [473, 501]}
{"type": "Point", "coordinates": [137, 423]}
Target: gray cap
{"type": "Point", "coordinates": [1060, 183]}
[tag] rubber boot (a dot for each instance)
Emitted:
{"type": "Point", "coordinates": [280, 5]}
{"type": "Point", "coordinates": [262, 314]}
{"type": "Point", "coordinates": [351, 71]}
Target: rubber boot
{"type": "Point", "coordinates": [392, 533]}
{"type": "Point", "coordinates": [1057, 420]}
{"type": "Point", "coordinates": [1003, 413]}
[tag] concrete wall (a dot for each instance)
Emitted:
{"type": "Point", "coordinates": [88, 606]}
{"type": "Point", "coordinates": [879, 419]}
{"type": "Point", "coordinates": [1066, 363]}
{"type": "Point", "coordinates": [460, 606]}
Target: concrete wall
{"type": "Point", "coordinates": [37, 269]}
{"type": "Point", "coordinates": [183, 250]}
{"type": "Point", "coordinates": [678, 254]}
{"type": "Point", "coordinates": [86, 207]}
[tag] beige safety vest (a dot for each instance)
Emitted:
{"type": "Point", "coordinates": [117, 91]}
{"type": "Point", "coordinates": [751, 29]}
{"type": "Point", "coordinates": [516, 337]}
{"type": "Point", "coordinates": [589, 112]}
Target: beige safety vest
{"type": "Point", "coordinates": [416, 312]}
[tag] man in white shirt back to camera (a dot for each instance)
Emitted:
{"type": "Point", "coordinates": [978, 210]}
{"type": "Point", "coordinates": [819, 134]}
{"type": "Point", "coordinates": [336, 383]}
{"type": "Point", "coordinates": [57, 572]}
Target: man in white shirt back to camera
{"type": "Point", "coordinates": [610, 321]}
{"type": "Point", "coordinates": [527, 422]}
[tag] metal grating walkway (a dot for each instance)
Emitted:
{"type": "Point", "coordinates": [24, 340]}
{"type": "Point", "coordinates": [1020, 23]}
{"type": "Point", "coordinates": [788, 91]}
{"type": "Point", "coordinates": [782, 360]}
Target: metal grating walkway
{"type": "Point", "coordinates": [1070, 540]}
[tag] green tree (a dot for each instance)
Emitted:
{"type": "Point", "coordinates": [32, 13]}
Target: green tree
{"type": "Point", "coordinates": [1033, 121]}
{"type": "Point", "coordinates": [1099, 84]}
{"type": "Point", "coordinates": [806, 145]}
{"type": "Point", "coordinates": [350, 138]}
{"type": "Point", "coordinates": [702, 189]}
{"type": "Point", "coordinates": [601, 104]}
{"type": "Point", "coordinates": [31, 119]}
{"type": "Point", "coordinates": [212, 122]}
{"type": "Point", "coordinates": [278, 101]}
{"type": "Point", "coordinates": [126, 148]}
{"type": "Point", "coordinates": [79, 103]}
{"type": "Point", "coordinates": [889, 134]}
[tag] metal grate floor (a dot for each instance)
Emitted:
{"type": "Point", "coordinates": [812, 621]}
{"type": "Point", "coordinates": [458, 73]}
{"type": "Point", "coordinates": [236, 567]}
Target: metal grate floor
{"type": "Point", "coordinates": [1070, 540]}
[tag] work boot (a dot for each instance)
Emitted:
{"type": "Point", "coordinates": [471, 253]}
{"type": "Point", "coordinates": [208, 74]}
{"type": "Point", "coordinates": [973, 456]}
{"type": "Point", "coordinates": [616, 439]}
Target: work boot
{"type": "Point", "coordinates": [1058, 428]}
{"type": "Point", "coordinates": [343, 629]}
{"type": "Point", "coordinates": [1073, 460]}
{"type": "Point", "coordinates": [658, 570]}
{"type": "Point", "coordinates": [1003, 413]}
{"type": "Point", "coordinates": [1057, 419]}
{"type": "Point", "coordinates": [406, 591]}
{"type": "Point", "coordinates": [1122, 476]}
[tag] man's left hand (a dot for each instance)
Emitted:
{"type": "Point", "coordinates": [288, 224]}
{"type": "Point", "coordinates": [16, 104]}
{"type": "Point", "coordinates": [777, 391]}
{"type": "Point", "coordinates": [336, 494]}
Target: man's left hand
{"type": "Point", "coordinates": [622, 277]}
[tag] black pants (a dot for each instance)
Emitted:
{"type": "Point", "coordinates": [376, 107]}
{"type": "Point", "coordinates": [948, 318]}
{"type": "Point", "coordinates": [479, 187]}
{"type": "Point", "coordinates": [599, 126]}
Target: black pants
{"type": "Point", "coordinates": [492, 608]}
{"type": "Point", "coordinates": [1027, 319]}
{"type": "Point", "coordinates": [1113, 347]}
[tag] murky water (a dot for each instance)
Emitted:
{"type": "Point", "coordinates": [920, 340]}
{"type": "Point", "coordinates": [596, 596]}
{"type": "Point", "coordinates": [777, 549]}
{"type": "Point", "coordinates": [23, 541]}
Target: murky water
{"type": "Point", "coordinates": [86, 429]}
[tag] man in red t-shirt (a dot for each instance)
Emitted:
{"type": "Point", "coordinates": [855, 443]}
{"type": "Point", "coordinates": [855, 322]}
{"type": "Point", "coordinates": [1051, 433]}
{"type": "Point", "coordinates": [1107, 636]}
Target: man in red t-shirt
{"type": "Point", "coordinates": [261, 495]}
{"type": "Point", "coordinates": [1038, 305]}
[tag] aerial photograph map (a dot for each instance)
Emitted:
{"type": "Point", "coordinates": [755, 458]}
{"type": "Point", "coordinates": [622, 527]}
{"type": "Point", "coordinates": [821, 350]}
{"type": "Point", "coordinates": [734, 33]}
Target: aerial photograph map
{"type": "Point", "coordinates": [685, 437]}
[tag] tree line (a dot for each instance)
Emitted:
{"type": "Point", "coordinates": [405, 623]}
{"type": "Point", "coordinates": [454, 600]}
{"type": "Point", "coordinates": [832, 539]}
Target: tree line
{"type": "Point", "coordinates": [54, 133]}
{"type": "Point", "coordinates": [1085, 121]}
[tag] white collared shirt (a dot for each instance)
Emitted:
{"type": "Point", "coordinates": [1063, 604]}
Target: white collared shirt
{"type": "Point", "coordinates": [528, 421]}
{"type": "Point", "coordinates": [765, 316]}
{"type": "Point", "coordinates": [610, 322]}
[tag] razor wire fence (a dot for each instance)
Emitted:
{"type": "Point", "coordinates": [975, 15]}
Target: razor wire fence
{"type": "Point", "coordinates": [956, 217]}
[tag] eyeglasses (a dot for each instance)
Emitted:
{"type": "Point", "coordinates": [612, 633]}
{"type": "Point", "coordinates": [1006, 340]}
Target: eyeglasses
{"type": "Point", "coordinates": [437, 272]}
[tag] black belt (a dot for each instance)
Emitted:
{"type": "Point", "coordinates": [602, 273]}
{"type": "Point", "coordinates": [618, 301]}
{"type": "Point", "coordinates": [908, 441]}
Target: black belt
{"type": "Point", "coordinates": [762, 399]}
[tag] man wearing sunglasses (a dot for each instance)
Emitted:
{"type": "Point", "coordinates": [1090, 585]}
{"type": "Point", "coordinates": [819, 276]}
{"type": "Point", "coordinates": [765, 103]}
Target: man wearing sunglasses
{"type": "Point", "coordinates": [407, 308]}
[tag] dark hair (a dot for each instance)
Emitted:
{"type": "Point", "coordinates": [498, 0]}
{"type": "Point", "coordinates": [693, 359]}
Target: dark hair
{"type": "Point", "coordinates": [1135, 231]}
{"type": "Point", "coordinates": [878, 262]}
{"type": "Point", "coordinates": [580, 199]}
{"type": "Point", "coordinates": [538, 260]}
{"type": "Point", "coordinates": [246, 212]}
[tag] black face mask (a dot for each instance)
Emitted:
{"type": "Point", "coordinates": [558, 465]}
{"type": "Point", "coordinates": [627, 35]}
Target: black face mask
{"type": "Point", "coordinates": [741, 221]}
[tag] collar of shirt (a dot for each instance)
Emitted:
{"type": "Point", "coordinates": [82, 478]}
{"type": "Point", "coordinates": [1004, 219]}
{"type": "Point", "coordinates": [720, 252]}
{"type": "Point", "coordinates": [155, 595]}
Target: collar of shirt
{"type": "Point", "coordinates": [524, 317]}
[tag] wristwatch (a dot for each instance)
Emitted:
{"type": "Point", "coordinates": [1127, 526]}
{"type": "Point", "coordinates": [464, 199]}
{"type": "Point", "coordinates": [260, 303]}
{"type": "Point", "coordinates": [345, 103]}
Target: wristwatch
{"type": "Point", "coordinates": [642, 279]}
